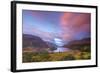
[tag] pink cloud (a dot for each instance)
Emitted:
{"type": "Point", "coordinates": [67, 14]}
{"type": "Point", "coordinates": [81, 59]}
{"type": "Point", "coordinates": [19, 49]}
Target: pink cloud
{"type": "Point", "coordinates": [65, 18]}
{"type": "Point", "coordinates": [73, 23]}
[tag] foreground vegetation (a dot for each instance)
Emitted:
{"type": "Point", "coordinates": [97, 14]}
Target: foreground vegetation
{"type": "Point", "coordinates": [58, 56]}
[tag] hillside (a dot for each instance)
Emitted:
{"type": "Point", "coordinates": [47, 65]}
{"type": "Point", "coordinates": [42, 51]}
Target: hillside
{"type": "Point", "coordinates": [33, 43]}
{"type": "Point", "coordinates": [79, 44]}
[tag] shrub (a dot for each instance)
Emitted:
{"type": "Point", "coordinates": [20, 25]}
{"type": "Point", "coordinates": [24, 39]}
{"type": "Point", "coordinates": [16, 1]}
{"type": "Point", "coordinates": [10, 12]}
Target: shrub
{"type": "Point", "coordinates": [69, 57]}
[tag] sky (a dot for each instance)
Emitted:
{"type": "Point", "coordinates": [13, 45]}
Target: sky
{"type": "Point", "coordinates": [50, 25]}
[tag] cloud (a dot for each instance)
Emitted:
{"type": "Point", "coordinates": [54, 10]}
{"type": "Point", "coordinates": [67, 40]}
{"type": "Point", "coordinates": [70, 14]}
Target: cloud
{"type": "Point", "coordinates": [82, 20]}
{"type": "Point", "coordinates": [74, 23]}
{"type": "Point", "coordinates": [65, 18]}
{"type": "Point", "coordinates": [46, 36]}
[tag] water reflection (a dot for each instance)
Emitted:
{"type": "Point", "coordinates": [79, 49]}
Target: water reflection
{"type": "Point", "coordinates": [61, 49]}
{"type": "Point", "coordinates": [60, 44]}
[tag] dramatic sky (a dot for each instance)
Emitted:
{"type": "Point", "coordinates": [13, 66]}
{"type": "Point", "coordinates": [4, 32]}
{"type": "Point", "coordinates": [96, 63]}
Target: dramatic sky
{"type": "Point", "coordinates": [48, 25]}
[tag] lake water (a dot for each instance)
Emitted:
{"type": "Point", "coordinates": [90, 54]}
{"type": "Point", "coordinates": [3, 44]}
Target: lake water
{"type": "Point", "coordinates": [61, 49]}
{"type": "Point", "coordinates": [59, 43]}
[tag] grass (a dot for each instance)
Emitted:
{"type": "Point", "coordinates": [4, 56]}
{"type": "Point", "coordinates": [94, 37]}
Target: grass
{"type": "Point", "coordinates": [58, 56]}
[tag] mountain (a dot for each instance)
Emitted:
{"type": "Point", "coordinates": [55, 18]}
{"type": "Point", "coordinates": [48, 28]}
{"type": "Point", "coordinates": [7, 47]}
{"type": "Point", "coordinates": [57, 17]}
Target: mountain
{"type": "Point", "coordinates": [33, 41]}
{"type": "Point", "coordinates": [36, 44]}
{"type": "Point", "coordinates": [52, 46]}
{"type": "Point", "coordinates": [79, 44]}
